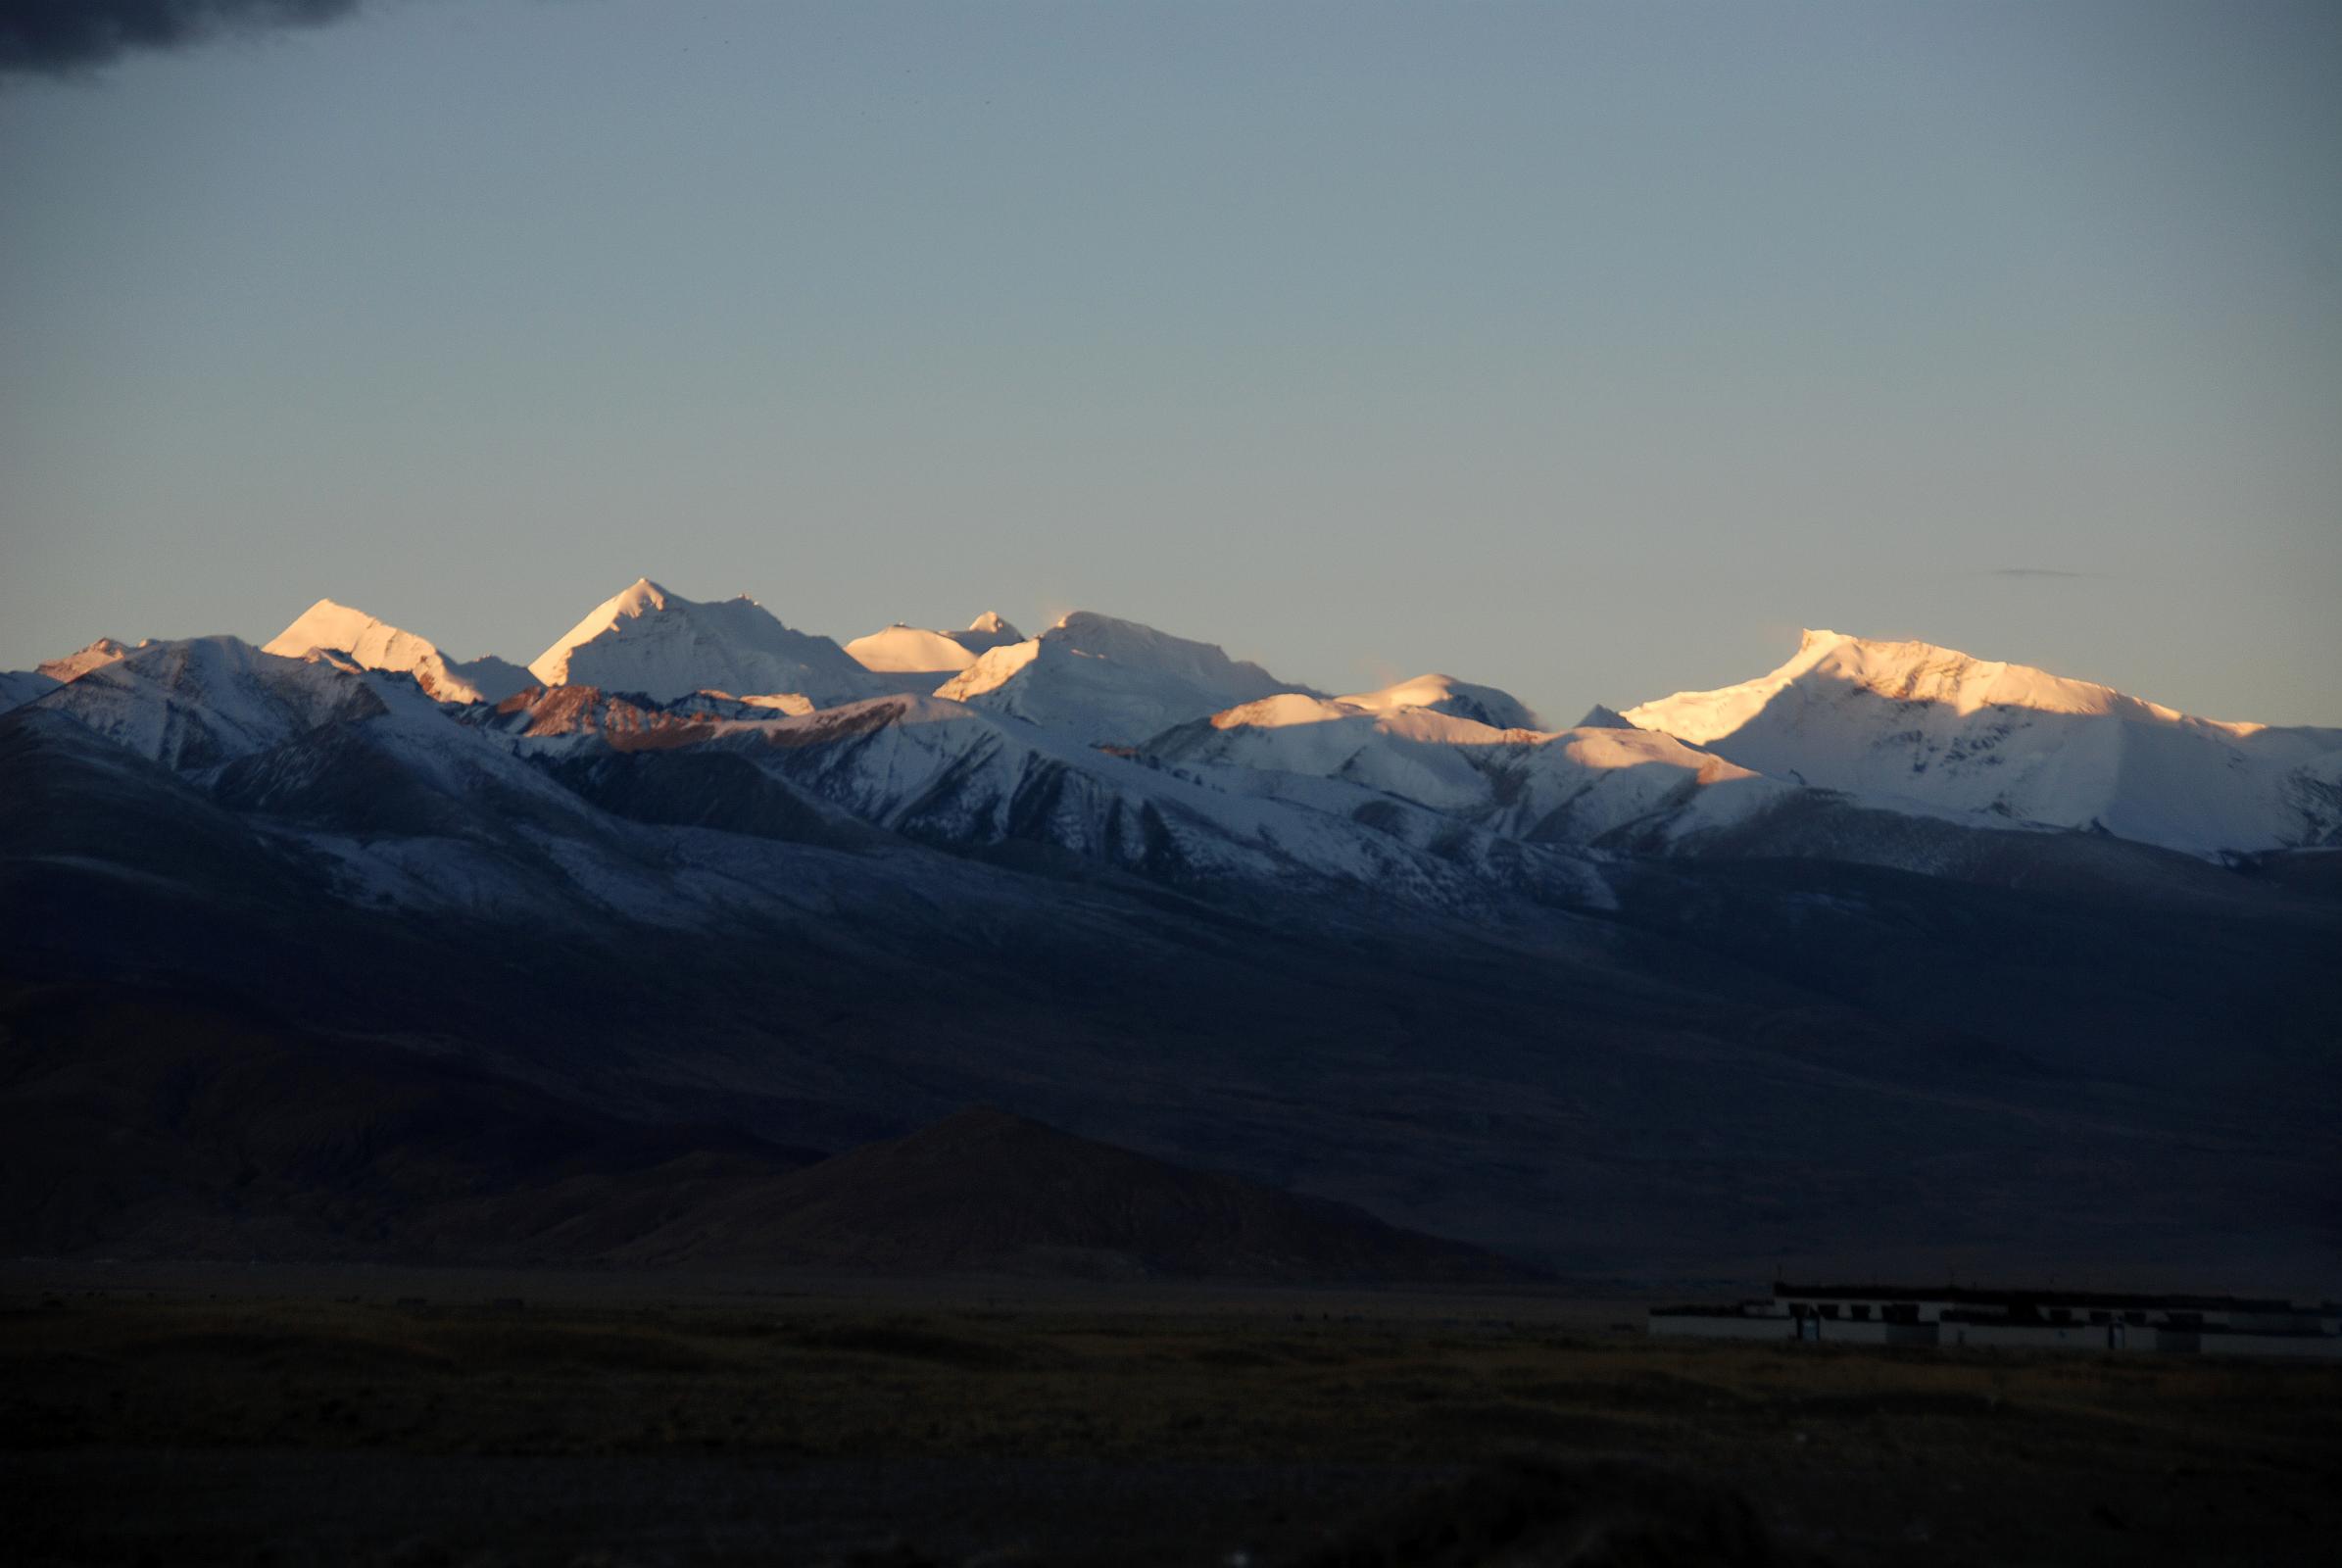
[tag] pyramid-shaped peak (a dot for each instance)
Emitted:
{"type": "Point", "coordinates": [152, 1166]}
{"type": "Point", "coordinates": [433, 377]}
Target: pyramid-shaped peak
{"type": "Point", "coordinates": [664, 646]}
{"type": "Point", "coordinates": [328, 623]}
{"type": "Point", "coordinates": [325, 614]}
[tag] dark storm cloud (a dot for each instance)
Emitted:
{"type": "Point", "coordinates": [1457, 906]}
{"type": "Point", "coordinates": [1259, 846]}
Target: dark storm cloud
{"type": "Point", "coordinates": [61, 37]}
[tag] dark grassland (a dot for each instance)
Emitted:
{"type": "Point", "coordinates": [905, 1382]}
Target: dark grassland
{"type": "Point", "coordinates": [288, 1420]}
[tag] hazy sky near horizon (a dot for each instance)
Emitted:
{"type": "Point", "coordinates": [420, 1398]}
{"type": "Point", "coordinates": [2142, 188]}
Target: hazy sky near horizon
{"type": "Point", "coordinates": [1588, 350]}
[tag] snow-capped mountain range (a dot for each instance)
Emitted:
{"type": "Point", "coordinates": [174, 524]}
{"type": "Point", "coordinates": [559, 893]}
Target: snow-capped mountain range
{"type": "Point", "coordinates": [1111, 744]}
{"type": "Point", "coordinates": [1673, 980]}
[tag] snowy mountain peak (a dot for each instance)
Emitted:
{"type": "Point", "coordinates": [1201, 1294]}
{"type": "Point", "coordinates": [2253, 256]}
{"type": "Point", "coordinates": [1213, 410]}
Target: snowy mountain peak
{"type": "Point", "coordinates": [1444, 694]}
{"type": "Point", "coordinates": [1954, 732]}
{"type": "Point", "coordinates": [375, 644]}
{"type": "Point", "coordinates": [21, 686]}
{"type": "Point", "coordinates": [638, 598]}
{"type": "Point", "coordinates": [1141, 647]}
{"type": "Point", "coordinates": [1106, 681]}
{"type": "Point", "coordinates": [911, 649]}
{"type": "Point", "coordinates": [648, 640]}
{"type": "Point", "coordinates": [328, 624]}
{"type": "Point", "coordinates": [1901, 671]}
{"type": "Point", "coordinates": [202, 701]}
{"type": "Point", "coordinates": [905, 650]}
{"type": "Point", "coordinates": [81, 660]}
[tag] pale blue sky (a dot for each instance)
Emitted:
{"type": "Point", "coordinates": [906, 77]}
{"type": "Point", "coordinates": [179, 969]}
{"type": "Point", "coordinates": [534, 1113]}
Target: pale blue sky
{"type": "Point", "coordinates": [1588, 350]}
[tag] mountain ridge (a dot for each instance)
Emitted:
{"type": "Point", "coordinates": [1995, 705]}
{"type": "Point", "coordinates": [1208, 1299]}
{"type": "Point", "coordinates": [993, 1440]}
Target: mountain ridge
{"type": "Point", "coordinates": [1906, 728]}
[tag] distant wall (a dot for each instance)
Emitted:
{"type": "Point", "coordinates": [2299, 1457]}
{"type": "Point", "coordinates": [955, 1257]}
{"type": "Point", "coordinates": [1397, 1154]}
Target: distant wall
{"type": "Point", "coordinates": [2317, 1348]}
{"type": "Point", "coordinates": [1870, 1330]}
{"type": "Point", "coordinates": [2036, 1336]}
{"type": "Point", "coordinates": [1833, 1331]}
{"type": "Point", "coordinates": [1700, 1325]}
{"type": "Point", "coordinates": [1994, 1335]}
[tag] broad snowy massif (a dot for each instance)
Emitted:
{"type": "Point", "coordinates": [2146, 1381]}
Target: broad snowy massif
{"type": "Point", "coordinates": [1708, 967]}
{"type": "Point", "coordinates": [1915, 722]}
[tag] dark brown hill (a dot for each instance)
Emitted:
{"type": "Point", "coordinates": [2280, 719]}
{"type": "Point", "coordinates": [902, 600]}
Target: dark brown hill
{"type": "Point", "coordinates": [985, 1190]}
{"type": "Point", "coordinates": [151, 1124]}
{"type": "Point", "coordinates": [158, 1124]}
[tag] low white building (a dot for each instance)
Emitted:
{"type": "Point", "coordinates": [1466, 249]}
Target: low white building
{"type": "Point", "coordinates": [1962, 1316]}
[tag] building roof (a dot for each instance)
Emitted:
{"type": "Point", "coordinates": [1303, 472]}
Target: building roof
{"type": "Point", "coordinates": [1971, 1296]}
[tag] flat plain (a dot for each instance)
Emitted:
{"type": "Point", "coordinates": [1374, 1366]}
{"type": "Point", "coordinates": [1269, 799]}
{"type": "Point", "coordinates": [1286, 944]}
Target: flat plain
{"type": "Point", "coordinates": [287, 1416]}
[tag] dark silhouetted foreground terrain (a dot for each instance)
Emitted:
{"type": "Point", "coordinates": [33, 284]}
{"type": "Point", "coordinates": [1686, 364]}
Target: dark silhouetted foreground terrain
{"type": "Point", "coordinates": [208, 1420]}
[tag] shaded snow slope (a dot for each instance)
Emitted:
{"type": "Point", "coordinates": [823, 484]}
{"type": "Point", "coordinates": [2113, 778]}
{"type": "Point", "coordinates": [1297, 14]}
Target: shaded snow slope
{"type": "Point", "coordinates": [208, 699]}
{"type": "Point", "coordinates": [21, 686]}
{"type": "Point", "coordinates": [1955, 733]}
{"type": "Point", "coordinates": [375, 644]}
{"type": "Point", "coordinates": [662, 645]}
{"type": "Point", "coordinates": [943, 772]}
{"type": "Point", "coordinates": [1573, 787]}
{"type": "Point", "coordinates": [219, 710]}
{"type": "Point", "coordinates": [361, 779]}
